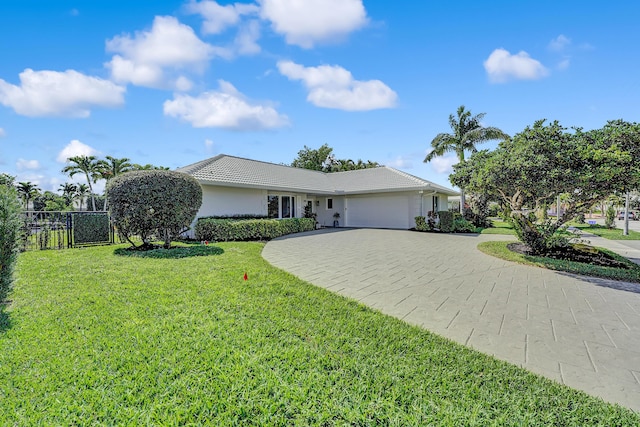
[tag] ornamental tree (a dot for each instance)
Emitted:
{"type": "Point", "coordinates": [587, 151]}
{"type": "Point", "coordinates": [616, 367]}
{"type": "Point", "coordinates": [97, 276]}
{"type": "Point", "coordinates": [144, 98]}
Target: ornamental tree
{"type": "Point", "coordinates": [528, 171]}
{"type": "Point", "coordinates": [152, 203]}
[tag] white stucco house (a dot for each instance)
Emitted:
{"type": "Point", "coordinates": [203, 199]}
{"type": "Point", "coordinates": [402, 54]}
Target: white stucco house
{"type": "Point", "coordinates": [380, 197]}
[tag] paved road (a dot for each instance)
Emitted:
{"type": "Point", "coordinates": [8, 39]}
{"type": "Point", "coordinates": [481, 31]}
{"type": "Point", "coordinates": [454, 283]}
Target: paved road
{"type": "Point", "coordinates": [582, 332]}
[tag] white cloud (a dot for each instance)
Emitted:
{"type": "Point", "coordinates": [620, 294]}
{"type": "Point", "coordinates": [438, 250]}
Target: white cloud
{"type": "Point", "coordinates": [305, 23]}
{"type": "Point", "coordinates": [169, 47]}
{"type": "Point", "coordinates": [53, 93]}
{"type": "Point", "coordinates": [401, 162]}
{"type": "Point", "coordinates": [226, 108]}
{"type": "Point", "coordinates": [2, 133]}
{"type": "Point", "coordinates": [559, 43]}
{"type": "Point", "coordinates": [334, 87]}
{"type": "Point", "coordinates": [75, 148]}
{"type": "Point", "coordinates": [444, 164]}
{"type": "Point", "coordinates": [502, 66]}
{"type": "Point", "coordinates": [217, 17]}
{"type": "Point", "coordinates": [246, 40]}
{"type": "Point", "coordinates": [23, 164]}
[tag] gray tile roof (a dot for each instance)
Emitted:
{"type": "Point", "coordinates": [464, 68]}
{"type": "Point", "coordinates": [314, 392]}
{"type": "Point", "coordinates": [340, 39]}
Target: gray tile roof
{"type": "Point", "coordinates": [238, 172]}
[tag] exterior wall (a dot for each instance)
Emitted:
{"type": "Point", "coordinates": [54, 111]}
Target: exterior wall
{"type": "Point", "coordinates": [325, 216]}
{"type": "Point", "coordinates": [220, 201]}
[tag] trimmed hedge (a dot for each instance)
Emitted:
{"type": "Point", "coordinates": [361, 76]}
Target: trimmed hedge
{"type": "Point", "coordinates": [218, 230]}
{"type": "Point", "coordinates": [446, 221]}
{"type": "Point", "coordinates": [90, 228]}
{"type": "Point", "coordinates": [11, 220]}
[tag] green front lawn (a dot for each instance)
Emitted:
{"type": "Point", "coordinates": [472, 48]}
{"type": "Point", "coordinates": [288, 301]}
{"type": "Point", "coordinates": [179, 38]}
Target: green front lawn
{"type": "Point", "coordinates": [95, 338]}
{"type": "Point", "coordinates": [499, 227]}
{"type": "Point", "coordinates": [607, 233]}
{"type": "Point", "coordinates": [500, 250]}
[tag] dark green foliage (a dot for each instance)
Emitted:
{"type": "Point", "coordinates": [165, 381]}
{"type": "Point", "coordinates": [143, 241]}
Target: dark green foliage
{"type": "Point", "coordinates": [90, 228]}
{"type": "Point", "coordinates": [478, 211]}
{"type": "Point", "coordinates": [323, 160]}
{"type": "Point", "coordinates": [528, 171]}
{"type": "Point", "coordinates": [446, 221]}
{"type": "Point", "coordinates": [461, 225]}
{"type": "Point", "coordinates": [219, 230]}
{"type": "Point", "coordinates": [580, 218]}
{"type": "Point", "coordinates": [11, 222]}
{"type": "Point", "coordinates": [151, 202]}
{"type": "Point", "coordinates": [172, 253]}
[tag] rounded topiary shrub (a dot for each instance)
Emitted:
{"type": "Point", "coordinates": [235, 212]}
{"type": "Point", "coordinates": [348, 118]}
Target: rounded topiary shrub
{"type": "Point", "coordinates": [153, 202]}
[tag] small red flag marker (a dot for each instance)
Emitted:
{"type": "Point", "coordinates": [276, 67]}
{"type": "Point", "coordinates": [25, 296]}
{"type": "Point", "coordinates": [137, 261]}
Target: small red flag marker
{"type": "Point", "coordinates": [246, 277]}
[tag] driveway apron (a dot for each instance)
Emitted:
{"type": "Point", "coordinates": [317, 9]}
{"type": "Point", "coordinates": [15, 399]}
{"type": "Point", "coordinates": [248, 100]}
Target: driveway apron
{"type": "Point", "coordinates": [582, 332]}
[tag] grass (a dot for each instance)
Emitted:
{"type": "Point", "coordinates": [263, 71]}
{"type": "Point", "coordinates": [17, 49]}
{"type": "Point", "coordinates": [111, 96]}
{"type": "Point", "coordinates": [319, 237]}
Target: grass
{"type": "Point", "coordinates": [499, 227]}
{"type": "Point", "coordinates": [500, 250]}
{"type": "Point", "coordinates": [607, 233]}
{"type": "Point", "coordinates": [93, 338]}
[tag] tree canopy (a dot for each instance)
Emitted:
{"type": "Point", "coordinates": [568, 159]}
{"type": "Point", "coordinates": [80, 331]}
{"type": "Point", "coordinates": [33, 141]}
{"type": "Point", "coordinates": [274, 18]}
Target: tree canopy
{"type": "Point", "coordinates": [323, 160]}
{"type": "Point", "coordinates": [546, 160]}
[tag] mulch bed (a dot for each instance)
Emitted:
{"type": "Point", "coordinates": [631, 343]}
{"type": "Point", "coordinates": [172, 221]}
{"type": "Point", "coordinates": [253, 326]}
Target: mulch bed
{"type": "Point", "coordinates": [571, 253]}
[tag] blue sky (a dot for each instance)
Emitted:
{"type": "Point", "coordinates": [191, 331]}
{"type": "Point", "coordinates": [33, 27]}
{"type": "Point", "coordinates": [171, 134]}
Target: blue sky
{"type": "Point", "coordinates": [174, 82]}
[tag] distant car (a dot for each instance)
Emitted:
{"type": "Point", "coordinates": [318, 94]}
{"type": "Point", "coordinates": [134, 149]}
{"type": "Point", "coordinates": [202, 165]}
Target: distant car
{"type": "Point", "coordinates": [632, 216]}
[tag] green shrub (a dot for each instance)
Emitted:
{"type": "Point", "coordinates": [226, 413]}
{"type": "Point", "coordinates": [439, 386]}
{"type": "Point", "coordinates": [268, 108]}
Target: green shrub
{"type": "Point", "coordinates": [580, 219]}
{"type": "Point", "coordinates": [11, 222]}
{"type": "Point", "coordinates": [218, 230]}
{"type": "Point", "coordinates": [151, 202]}
{"type": "Point", "coordinates": [421, 224]}
{"type": "Point", "coordinates": [446, 221]}
{"type": "Point", "coordinates": [90, 228]}
{"type": "Point", "coordinates": [461, 225]}
{"type": "Point", "coordinates": [610, 218]}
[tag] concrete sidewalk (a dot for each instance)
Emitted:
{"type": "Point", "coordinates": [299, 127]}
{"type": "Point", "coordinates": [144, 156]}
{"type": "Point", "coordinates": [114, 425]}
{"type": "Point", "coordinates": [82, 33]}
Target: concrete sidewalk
{"type": "Point", "coordinates": [583, 332]}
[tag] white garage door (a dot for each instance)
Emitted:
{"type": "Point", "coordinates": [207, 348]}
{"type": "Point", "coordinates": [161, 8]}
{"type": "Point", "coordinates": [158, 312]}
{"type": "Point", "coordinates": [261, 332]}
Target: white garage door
{"type": "Point", "coordinates": [378, 212]}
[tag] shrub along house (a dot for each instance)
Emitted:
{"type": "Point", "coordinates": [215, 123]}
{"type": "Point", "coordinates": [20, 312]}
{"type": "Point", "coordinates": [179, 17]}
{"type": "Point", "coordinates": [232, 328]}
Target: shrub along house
{"type": "Point", "coordinates": [380, 197]}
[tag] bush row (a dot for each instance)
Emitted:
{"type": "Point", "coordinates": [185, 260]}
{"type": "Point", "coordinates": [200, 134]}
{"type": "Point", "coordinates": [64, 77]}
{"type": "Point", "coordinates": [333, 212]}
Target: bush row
{"type": "Point", "coordinates": [449, 222]}
{"type": "Point", "coordinates": [217, 230]}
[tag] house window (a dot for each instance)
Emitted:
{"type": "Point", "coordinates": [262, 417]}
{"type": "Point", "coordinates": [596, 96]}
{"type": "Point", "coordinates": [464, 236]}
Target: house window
{"type": "Point", "coordinates": [281, 206]}
{"type": "Point", "coordinates": [434, 203]}
{"type": "Point", "coordinates": [329, 203]}
{"type": "Point", "coordinates": [273, 205]}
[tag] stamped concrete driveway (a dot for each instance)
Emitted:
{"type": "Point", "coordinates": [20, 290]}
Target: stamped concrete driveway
{"type": "Point", "coordinates": [581, 332]}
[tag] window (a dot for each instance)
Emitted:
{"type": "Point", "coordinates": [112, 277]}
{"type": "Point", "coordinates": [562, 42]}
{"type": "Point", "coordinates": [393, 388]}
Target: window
{"type": "Point", "coordinates": [273, 203]}
{"type": "Point", "coordinates": [434, 203]}
{"type": "Point", "coordinates": [329, 203]}
{"type": "Point", "coordinates": [281, 206]}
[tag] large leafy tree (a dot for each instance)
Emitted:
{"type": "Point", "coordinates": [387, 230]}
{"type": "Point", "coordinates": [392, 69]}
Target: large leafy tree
{"type": "Point", "coordinates": [27, 191]}
{"type": "Point", "coordinates": [323, 160]}
{"type": "Point", "coordinates": [467, 131]}
{"type": "Point", "coordinates": [528, 171]}
{"type": "Point", "coordinates": [90, 166]}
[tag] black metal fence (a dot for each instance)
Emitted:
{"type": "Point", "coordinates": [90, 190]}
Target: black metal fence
{"type": "Point", "coordinates": [60, 230]}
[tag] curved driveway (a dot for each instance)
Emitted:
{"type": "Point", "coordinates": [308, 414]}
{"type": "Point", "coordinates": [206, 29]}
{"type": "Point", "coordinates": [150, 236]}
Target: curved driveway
{"type": "Point", "coordinates": [581, 332]}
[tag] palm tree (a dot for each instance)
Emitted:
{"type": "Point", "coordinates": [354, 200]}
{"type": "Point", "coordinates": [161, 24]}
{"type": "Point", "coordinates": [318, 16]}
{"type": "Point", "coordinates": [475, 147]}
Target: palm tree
{"type": "Point", "coordinates": [89, 166]}
{"type": "Point", "coordinates": [82, 191]}
{"type": "Point", "coordinates": [27, 191]}
{"type": "Point", "coordinates": [113, 167]}
{"type": "Point", "coordinates": [148, 166]}
{"type": "Point", "coordinates": [467, 132]}
{"type": "Point", "coordinates": [68, 191]}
